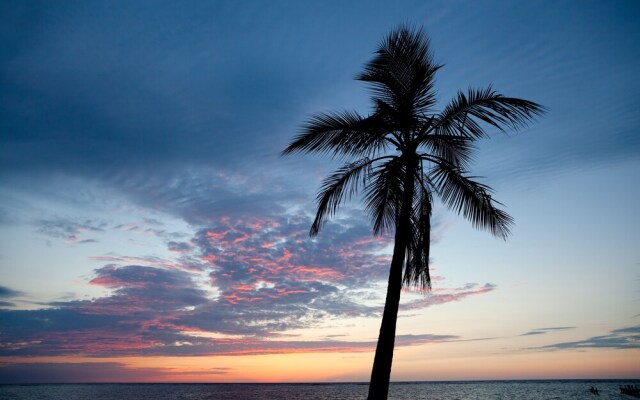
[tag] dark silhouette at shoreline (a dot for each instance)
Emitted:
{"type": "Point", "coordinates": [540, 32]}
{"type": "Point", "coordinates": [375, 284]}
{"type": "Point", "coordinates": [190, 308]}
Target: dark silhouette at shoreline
{"type": "Point", "coordinates": [631, 390]}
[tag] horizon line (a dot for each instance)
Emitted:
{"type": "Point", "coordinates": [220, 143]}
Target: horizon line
{"type": "Point", "coordinates": [323, 383]}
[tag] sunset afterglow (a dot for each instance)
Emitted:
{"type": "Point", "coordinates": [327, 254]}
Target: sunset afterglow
{"type": "Point", "coordinates": [151, 231]}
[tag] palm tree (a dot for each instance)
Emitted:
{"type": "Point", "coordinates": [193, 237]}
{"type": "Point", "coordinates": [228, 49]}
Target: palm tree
{"type": "Point", "coordinates": [402, 154]}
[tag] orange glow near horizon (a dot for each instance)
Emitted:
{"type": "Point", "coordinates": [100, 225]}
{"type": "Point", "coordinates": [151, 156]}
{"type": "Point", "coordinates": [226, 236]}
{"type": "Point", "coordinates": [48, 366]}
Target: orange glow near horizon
{"type": "Point", "coordinates": [414, 364]}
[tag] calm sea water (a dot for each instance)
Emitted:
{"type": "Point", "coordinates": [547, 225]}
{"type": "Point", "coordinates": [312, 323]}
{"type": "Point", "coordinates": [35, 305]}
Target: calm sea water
{"type": "Point", "coordinates": [508, 390]}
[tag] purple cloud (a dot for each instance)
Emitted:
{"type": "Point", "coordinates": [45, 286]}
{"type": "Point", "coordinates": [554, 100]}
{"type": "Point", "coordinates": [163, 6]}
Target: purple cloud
{"type": "Point", "coordinates": [89, 372]}
{"type": "Point", "coordinates": [238, 282]}
{"type": "Point", "coordinates": [622, 338]}
{"type": "Point", "coordinates": [179, 247]}
{"type": "Point", "coordinates": [447, 295]}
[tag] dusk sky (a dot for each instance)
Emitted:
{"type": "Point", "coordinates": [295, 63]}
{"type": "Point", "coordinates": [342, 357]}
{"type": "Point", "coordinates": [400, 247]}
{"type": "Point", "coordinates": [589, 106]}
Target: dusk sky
{"type": "Point", "coordinates": [151, 231]}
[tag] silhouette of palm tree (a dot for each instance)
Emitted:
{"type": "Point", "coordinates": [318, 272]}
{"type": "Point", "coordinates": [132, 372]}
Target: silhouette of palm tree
{"type": "Point", "coordinates": [405, 153]}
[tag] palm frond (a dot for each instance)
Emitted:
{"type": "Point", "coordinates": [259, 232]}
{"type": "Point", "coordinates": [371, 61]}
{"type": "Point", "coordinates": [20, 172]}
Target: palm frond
{"type": "Point", "coordinates": [402, 72]}
{"type": "Point", "coordinates": [463, 115]}
{"type": "Point", "coordinates": [346, 133]}
{"type": "Point", "coordinates": [416, 272]}
{"type": "Point", "coordinates": [401, 129]}
{"type": "Point", "coordinates": [471, 199]}
{"type": "Point", "coordinates": [456, 150]}
{"type": "Point", "coordinates": [346, 180]}
{"type": "Point", "coordinates": [383, 195]}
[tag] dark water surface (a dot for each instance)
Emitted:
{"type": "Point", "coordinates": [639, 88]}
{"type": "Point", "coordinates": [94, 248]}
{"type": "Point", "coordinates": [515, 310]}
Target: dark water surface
{"type": "Point", "coordinates": [517, 390]}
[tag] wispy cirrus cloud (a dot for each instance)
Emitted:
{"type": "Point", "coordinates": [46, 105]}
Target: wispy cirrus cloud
{"type": "Point", "coordinates": [622, 338]}
{"type": "Point", "coordinates": [70, 230]}
{"type": "Point", "coordinates": [542, 331]}
{"type": "Point", "coordinates": [443, 295]}
{"type": "Point", "coordinates": [183, 263]}
{"type": "Point", "coordinates": [76, 230]}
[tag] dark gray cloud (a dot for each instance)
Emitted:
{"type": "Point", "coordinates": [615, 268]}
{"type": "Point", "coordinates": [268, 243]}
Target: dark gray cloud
{"type": "Point", "coordinates": [8, 292]}
{"type": "Point", "coordinates": [141, 283]}
{"type": "Point", "coordinates": [121, 90]}
{"type": "Point", "coordinates": [533, 333]}
{"type": "Point", "coordinates": [179, 247]}
{"type": "Point", "coordinates": [622, 338]}
{"type": "Point", "coordinates": [203, 196]}
{"type": "Point", "coordinates": [542, 331]}
{"type": "Point", "coordinates": [106, 372]}
{"type": "Point", "coordinates": [69, 230]}
{"type": "Point", "coordinates": [101, 91]}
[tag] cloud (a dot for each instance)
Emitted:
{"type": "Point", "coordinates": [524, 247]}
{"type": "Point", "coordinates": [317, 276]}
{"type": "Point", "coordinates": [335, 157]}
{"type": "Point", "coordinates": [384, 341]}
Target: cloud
{"type": "Point", "coordinates": [88, 372]}
{"type": "Point", "coordinates": [179, 247]}
{"type": "Point", "coordinates": [622, 338]}
{"type": "Point", "coordinates": [542, 331]}
{"type": "Point", "coordinates": [447, 295]}
{"type": "Point", "coordinates": [238, 285]}
{"type": "Point", "coordinates": [180, 131]}
{"type": "Point", "coordinates": [532, 333]}
{"type": "Point", "coordinates": [167, 100]}
{"type": "Point", "coordinates": [7, 292]}
{"type": "Point", "coordinates": [200, 196]}
{"type": "Point", "coordinates": [69, 230]}
{"type": "Point", "coordinates": [140, 288]}
{"type": "Point", "coordinates": [164, 100]}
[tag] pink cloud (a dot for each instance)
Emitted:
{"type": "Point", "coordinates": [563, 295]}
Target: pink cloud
{"type": "Point", "coordinates": [447, 295]}
{"type": "Point", "coordinates": [265, 274]}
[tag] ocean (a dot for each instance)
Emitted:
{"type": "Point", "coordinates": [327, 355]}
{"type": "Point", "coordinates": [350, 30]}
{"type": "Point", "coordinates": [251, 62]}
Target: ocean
{"type": "Point", "coordinates": [507, 390]}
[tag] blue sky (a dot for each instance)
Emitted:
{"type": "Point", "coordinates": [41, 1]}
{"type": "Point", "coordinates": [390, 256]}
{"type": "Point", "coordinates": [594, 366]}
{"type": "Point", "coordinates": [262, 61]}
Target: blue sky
{"type": "Point", "coordinates": [145, 210]}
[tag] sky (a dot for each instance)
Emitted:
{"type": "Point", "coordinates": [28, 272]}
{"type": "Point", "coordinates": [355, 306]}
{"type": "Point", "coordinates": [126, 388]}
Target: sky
{"type": "Point", "coordinates": [150, 230]}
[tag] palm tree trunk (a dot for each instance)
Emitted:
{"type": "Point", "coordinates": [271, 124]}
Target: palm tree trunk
{"type": "Point", "coordinates": [381, 373]}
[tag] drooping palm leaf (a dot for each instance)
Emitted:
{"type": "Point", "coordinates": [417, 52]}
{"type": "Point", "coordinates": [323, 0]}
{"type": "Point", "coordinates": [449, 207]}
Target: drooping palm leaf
{"type": "Point", "coordinates": [470, 199]}
{"type": "Point", "coordinates": [382, 195]}
{"type": "Point", "coordinates": [345, 180]}
{"type": "Point", "coordinates": [454, 149]}
{"type": "Point", "coordinates": [463, 115]}
{"type": "Point", "coordinates": [416, 271]}
{"type": "Point", "coordinates": [346, 134]}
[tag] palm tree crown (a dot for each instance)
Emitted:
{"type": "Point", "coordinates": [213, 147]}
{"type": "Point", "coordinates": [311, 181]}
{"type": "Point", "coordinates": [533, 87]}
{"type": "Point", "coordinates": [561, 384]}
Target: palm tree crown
{"type": "Point", "coordinates": [432, 150]}
{"type": "Point", "coordinates": [402, 154]}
